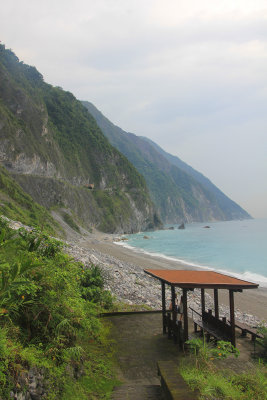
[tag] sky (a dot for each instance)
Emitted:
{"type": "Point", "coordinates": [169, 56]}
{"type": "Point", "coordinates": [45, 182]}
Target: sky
{"type": "Point", "coordinates": [189, 74]}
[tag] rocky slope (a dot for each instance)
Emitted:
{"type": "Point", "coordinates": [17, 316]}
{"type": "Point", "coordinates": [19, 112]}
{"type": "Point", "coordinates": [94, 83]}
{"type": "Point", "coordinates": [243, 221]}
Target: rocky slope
{"type": "Point", "coordinates": [16, 204]}
{"type": "Point", "coordinates": [179, 192]}
{"type": "Point", "coordinates": [54, 149]}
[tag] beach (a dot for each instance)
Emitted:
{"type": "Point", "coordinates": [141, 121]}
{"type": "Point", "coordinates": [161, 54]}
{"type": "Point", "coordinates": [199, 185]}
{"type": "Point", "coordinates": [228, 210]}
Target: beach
{"type": "Point", "coordinates": [125, 266]}
{"type": "Point", "coordinates": [123, 270]}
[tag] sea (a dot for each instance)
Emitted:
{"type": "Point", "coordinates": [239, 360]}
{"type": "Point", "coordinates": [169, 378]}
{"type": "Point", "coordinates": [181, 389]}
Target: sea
{"type": "Point", "coordinates": [238, 248]}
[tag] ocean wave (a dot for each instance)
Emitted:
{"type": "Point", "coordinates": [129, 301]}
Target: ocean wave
{"type": "Point", "coordinates": [246, 276]}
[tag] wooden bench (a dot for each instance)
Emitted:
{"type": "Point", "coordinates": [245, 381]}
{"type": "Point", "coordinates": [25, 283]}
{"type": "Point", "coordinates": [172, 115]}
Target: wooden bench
{"type": "Point", "coordinates": [248, 329]}
{"type": "Point", "coordinates": [214, 327]}
{"type": "Point", "coordinates": [173, 384]}
{"type": "Point", "coordinates": [212, 331]}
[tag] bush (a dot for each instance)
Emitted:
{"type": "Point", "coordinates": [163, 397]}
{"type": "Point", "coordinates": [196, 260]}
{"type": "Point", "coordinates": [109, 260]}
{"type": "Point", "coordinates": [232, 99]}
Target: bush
{"type": "Point", "coordinates": [207, 351]}
{"type": "Point", "coordinates": [48, 310]}
{"type": "Point", "coordinates": [92, 284]}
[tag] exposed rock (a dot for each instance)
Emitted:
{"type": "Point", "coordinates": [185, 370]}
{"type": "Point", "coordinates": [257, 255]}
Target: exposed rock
{"type": "Point", "coordinates": [31, 385]}
{"type": "Point", "coordinates": [120, 239]}
{"type": "Point", "coordinates": [182, 226]}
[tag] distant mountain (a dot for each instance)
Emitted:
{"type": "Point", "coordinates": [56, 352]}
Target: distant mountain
{"type": "Point", "coordinates": [57, 153]}
{"type": "Point", "coordinates": [231, 209]}
{"type": "Point", "coordinates": [179, 192]}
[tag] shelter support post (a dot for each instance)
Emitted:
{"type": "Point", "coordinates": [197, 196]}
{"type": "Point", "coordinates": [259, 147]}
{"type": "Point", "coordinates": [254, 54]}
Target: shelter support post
{"type": "Point", "coordinates": [163, 307]}
{"type": "Point", "coordinates": [190, 280]}
{"type": "Point", "coordinates": [232, 315]}
{"type": "Point", "coordinates": [216, 303]}
{"type": "Point", "coordinates": [185, 314]}
{"type": "Point", "coordinates": [174, 312]}
{"type": "Point", "coordinates": [202, 300]}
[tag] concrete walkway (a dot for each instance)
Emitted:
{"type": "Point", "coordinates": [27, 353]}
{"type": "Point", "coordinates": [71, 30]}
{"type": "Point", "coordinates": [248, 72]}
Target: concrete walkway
{"type": "Point", "coordinates": [140, 344]}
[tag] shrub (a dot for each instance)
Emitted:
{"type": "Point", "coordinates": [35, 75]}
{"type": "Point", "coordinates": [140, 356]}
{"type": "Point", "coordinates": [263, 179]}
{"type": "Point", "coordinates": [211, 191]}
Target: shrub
{"type": "Point", "coordinates": [92, 284]}
{"type": "Point", "coordinates": [206, 351]}
{"type": "Point", "coordinates": [48, 310]}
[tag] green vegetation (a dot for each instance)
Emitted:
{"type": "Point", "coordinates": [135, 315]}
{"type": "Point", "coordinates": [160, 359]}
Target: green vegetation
{"type": "Point", "coordinates": [114, 207]}
{"type": "Point", "coordinates": [18, 205]}
{"type": "Point", "coordinates": [69, 220]}
{"type": "Point", "coordinates": [203, 371]}
{"type": "Point", "coordinates": [263, 342]}
{"type": "Point", "coordinates": [48, 320]}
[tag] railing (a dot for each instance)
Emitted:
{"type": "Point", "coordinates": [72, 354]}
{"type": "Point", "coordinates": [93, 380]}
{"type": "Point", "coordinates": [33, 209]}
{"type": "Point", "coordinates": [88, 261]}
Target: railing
{"type": "Point", "coordinates": [196, 312]}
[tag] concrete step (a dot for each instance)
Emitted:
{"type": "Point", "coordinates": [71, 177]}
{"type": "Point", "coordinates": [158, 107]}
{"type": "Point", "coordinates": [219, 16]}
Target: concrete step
{"type": "Point", "coordinates": [137, 392]}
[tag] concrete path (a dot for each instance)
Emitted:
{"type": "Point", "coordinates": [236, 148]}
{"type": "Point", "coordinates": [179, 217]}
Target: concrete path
{"type": "Point", "coordinates": [140, 344]}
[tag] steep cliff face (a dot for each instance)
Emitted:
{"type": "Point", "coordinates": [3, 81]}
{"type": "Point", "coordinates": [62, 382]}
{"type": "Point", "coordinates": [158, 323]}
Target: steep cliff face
{"type": "Point", "coordinates": [179, 192]}
{"type": "Point", "coordinates": [55, 150]}
{"type": "Point", "coordinates": [19, 206]}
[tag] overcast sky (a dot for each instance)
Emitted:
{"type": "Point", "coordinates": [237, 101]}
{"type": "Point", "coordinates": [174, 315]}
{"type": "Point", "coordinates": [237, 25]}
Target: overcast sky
{"type": "Point", "coordinates": [190, 75]}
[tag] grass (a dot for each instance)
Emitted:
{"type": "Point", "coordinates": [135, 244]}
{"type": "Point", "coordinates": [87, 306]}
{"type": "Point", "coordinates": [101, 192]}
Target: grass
{"type": "Point", "coordinates": [69, 220]}
{"type": "Point", "coordinates": [124, 307]}
{"type": "Point", "coordinates": [224, 384]}
{"type": "Point", "coordinates": [215, 382]}
{"type": "Point", "coordinates": [98, 379]}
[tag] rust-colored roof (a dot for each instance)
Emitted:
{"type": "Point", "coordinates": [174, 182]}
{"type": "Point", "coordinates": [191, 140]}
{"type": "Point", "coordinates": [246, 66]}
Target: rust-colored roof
{"type": "Point", "coordinates": [200, 279]}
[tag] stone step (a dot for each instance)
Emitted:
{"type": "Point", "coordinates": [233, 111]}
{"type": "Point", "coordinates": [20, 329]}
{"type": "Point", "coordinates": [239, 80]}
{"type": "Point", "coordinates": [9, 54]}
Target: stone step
{"type": "Point", "coordinates": [137, 392]}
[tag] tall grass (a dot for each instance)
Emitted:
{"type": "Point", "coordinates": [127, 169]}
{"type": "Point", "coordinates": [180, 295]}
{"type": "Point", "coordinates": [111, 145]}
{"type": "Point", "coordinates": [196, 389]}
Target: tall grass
{"type": "Point", "coordinates": [217, 383]}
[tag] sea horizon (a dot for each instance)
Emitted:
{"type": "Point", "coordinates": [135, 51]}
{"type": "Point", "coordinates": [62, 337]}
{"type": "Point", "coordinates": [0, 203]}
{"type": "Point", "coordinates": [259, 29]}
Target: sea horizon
{"type": "Point", "coordinates": [236, 248]}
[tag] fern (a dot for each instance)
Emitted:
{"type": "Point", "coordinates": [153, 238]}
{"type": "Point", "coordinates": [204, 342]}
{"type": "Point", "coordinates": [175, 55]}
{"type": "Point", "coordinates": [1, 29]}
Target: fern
{"type": "Point", "coordinates": [74, 353]}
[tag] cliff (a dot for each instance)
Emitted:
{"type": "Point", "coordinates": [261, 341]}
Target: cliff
{"type": "Point", "coordinates": [54, 149]}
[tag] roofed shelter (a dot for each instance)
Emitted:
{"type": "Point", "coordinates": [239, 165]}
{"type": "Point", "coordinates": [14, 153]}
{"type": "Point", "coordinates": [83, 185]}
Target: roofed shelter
{"type": "Point", "coordinates": [189, 280]}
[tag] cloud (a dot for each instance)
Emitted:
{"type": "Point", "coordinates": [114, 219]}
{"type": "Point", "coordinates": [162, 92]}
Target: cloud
{"type": "Point", "coordinates": [190, 75]}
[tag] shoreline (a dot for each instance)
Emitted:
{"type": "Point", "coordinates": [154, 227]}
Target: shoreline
{"type": "Point", "coordinates": [247, 276]}
{"type": "Point", "coordinates": [124, 276]}
{"type": "Point", "coordinates": [249, 305]}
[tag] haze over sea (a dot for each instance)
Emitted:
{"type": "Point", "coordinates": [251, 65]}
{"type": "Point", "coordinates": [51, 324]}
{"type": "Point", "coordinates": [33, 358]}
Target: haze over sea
{"type": "Point", "coordinates": [238, 248]}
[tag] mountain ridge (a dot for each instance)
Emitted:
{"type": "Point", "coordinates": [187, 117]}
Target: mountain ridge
{"type": "Point", "coordinates": [201, 178]}
{"type": "Point", "coordinates": [55, 150]}
{"type": "Point", "coordinates": [180, 193]}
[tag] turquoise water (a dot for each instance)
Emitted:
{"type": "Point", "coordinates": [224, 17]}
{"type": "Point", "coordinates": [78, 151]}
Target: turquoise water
{"type": "Point", "coordinates": [236, 247]}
